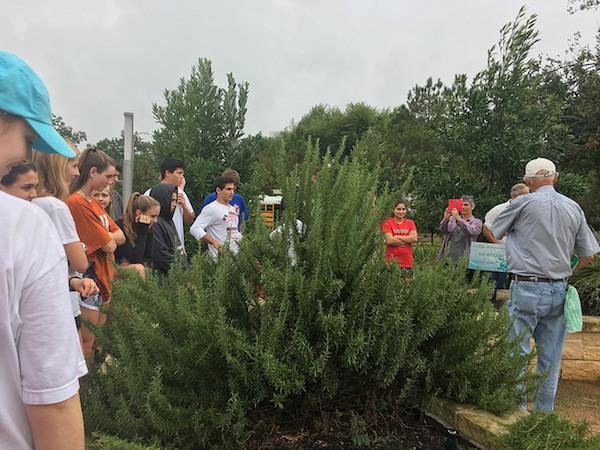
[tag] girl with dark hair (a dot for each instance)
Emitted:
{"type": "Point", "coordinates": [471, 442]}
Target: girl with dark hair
{"type": "Point", "coordinates": [21, 182]}
{"type": "Point", "coordinates": [97, 231]}
{"type": "Point", "coordinates": [400, 234]}
{"type": "Point", "coordinates": [137, 223]}
{"type": "Point", "coordinates": [95, 227]}
{"type": "Point", "coordinates": [165, 241]}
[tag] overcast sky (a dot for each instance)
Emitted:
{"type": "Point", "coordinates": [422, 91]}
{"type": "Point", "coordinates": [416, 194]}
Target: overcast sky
{"type": "Point", "coordinates": [102, 58]}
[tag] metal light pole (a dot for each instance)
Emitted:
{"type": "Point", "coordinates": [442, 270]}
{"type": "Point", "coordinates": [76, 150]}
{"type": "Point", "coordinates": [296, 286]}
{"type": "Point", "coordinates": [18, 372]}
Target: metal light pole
{"type": "Point", "coordinates": [127, 157]}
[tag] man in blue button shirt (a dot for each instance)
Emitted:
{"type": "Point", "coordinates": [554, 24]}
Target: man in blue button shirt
{"type": "Point", "coordinates": [543, 230]}
{"type": "Point", "coordinates": [237, 198]}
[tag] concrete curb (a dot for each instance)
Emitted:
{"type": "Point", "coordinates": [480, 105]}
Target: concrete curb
{"type": "Point", "coordinates": [475, 425]}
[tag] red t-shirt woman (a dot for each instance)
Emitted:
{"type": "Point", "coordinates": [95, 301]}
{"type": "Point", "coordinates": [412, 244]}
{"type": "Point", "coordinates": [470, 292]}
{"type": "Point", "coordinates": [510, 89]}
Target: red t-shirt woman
{"type": "Point", "coordinates": [400, 233]}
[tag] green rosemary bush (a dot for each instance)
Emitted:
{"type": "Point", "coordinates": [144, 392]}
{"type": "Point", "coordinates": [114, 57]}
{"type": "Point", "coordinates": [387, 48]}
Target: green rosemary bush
{"type": "Point", "coordinates": [541, 431]}
{"type": "Point", "coordinates": [197, 362]}
{"type": "Point", "coordinates": [104, 442]}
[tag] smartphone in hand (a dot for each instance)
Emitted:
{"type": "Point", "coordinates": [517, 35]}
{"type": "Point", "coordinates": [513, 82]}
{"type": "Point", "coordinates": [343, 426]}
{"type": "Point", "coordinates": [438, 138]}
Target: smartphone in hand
{"type": "Point", "coordinates": [455, 203]}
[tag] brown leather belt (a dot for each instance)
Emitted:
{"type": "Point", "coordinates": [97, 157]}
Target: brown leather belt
{"type": "Point", "coordinates": [534, 279]}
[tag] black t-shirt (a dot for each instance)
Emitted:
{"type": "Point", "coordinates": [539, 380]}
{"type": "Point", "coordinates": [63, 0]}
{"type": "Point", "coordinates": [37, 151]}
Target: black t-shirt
{"type": "Point", "coordinates": [138, 252]}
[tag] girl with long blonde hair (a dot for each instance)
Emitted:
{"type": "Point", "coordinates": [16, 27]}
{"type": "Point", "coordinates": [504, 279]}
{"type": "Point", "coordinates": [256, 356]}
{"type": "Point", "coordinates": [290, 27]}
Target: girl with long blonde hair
{"type": "Point", "coordinates": [55, 174]}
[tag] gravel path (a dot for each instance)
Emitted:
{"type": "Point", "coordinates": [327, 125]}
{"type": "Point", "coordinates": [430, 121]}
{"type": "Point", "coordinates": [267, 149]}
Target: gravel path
{"type": "Point", "coordinates": [578, 401]}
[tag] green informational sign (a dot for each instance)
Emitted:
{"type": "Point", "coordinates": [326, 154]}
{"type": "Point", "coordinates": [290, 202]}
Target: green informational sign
{"type": "Point", "coordinates": [488, 257]}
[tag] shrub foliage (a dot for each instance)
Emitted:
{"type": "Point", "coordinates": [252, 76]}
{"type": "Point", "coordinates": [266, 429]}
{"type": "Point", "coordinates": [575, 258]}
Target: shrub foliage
{"type": "Point", "coordinates": [541, 431]}
{"type": "Point", "coordinates": [197, 362]}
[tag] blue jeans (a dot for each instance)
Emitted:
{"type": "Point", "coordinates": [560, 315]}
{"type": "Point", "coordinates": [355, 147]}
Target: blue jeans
{"type": "Point", "coordinates": [537, 310]}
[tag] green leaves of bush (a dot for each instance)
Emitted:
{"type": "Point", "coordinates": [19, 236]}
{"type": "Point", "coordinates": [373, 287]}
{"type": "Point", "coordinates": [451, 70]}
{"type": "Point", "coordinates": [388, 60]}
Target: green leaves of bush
{"type": "Point", "coordinates": [545, 431]}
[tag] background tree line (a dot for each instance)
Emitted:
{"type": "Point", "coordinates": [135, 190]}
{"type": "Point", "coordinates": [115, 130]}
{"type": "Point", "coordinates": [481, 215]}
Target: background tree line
{"type": "Point", "coordinates": [473, 136]}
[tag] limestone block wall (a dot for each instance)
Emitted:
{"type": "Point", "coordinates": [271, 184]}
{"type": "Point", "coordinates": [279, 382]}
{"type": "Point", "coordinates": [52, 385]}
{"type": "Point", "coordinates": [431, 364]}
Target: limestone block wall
{"type": "Point", "coordinates": [581, 353]}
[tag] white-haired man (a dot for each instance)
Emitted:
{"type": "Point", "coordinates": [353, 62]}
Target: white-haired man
{"type": "Point", "coordinates": [543, 230]}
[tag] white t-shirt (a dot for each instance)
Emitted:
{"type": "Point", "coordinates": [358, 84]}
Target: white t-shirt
{"type": "Point", "coordinates": [291, 250]}
{"type": "Point", "coordinates": [61, 217]}
{"type": "Point", "coordinates": [491, 216]}
{"type": "Point", "coordinates": [40, 355]}
{"type": "Point", "coordinates": [220, 222]}
{"type": "Point", "coordinates": [178, 216]}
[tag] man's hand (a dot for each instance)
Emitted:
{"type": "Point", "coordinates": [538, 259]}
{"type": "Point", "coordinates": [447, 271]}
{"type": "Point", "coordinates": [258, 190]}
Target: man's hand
{"type": "Point", "coordinates": [489, 235]}
{"type": "Point", "coordinates": [188, 214]}
{"type": "Point", "coordinates": [583, 261]}
{"type": "Point", "coordinates": [455, 213]}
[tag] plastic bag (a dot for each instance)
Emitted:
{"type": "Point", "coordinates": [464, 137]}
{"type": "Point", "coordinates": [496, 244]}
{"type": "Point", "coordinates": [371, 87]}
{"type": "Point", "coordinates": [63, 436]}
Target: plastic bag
{"type": "Point", "coordinates": [573, 316]}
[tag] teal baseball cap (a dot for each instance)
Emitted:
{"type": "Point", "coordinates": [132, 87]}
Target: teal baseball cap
{"type": "Point", "coordinates": [23, 94]}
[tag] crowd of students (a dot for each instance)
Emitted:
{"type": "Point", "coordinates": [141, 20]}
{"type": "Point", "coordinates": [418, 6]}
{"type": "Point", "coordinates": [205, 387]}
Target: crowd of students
{"type": "Point", "coordinates": [64, 230]}
{"type": "Point", "coordinates": [78, 196]}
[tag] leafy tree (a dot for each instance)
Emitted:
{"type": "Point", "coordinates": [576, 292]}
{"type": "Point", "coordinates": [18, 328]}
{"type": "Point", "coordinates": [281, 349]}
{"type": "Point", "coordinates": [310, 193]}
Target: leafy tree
{"type": "Point", "coordinates": [67, 132]}
{"type": "Point", "coordinates": [577, 80]}
{"type": "Point", "coordinates": [406, 149]}
{"type": "Point", "coordinates": [506, 119]}
{"type": "Point", "coordinates": [201, 124]}
{"type": "Point", "coordinates": [331, 127]}
{"type": "Point", "coordinates": [582, 5]}
{"type": "Point", "coordinates": [266, 169]}
{"type": "Point", "coordinates": [487, 130]}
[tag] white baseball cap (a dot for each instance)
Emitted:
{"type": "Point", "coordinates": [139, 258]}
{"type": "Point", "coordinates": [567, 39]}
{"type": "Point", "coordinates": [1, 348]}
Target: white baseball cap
{"type": "Point", "coordinates": [540, 167]}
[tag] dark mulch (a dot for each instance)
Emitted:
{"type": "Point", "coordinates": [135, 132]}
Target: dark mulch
{"type": "Point", "coordinates": [408, 430]}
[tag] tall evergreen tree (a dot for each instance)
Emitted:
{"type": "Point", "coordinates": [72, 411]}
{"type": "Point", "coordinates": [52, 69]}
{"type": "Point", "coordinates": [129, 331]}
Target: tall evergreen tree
{"type": "Point", "coordinates": [201, 123]}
